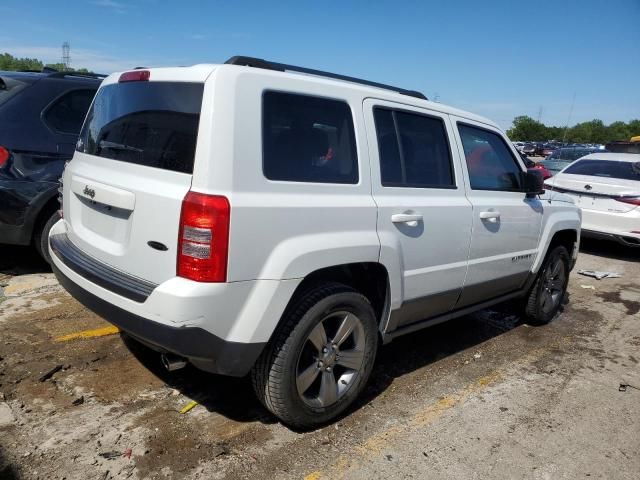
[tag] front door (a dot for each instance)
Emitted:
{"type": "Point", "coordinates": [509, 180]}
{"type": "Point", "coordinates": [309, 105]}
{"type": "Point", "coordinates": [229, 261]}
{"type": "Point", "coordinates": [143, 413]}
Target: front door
{"type": "Point", "coordinates": [506, 224]}
{"type": "Point", "coordinates": [424, 216]}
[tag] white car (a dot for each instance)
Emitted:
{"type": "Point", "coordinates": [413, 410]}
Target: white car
{"type": "Point", "coordinates": [269, 219]}
{"type": "Point", "coordinates": [606, 186]}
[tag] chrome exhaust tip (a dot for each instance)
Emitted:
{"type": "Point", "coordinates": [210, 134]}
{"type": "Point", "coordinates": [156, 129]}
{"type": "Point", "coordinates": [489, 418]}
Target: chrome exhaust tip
{"type": "Point", "coordinates": [173, 362]}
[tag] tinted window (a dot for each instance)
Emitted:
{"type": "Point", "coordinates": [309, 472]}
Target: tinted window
{"type": "Point", "coordinates": [606, 168]}
{"type": "Point", "coordinates": [308, 139]}
{"type": "Point", "coordinates": [414, 151]}
{"type": "Point", "coordinates": [148, 123]}
{"type": "Point", "coordinates": [490, 162]}
{"type": "Point", "coordinates": [67, 113]}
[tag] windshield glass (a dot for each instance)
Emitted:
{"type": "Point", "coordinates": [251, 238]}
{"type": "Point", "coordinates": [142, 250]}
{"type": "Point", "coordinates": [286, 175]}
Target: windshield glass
{"type": "Point", "coordinates": [148, 123]}
{"type": "Point", "coordinates": [606, 168]}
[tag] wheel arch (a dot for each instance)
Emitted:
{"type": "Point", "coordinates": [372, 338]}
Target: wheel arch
{"type": "Point", "coordinates": [371, 279]}
{"type": "Point", "coordinates": [567, 237]}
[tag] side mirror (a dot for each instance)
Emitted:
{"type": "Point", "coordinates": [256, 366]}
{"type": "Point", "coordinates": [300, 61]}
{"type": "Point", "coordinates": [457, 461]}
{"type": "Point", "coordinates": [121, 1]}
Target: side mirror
{"type": "Point", "coordinates": [532, 183]}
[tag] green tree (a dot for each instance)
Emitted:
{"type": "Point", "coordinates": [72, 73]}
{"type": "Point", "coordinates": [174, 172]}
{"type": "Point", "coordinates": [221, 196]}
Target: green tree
{"type": "Point", "coordinates": [594, 131]}
{"type": "Point", "coordinates": [526, 129]}
{"type": "Point", "coordinates": [11, 64]}
{"type": "Point", "coordinates": [619, 131]}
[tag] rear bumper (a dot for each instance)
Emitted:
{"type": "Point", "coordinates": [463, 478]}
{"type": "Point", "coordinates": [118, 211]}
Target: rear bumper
{"type": "Point", "coordinates": [203, 349]}
{"type": "Point", "coordinates": [617, 226]}
{"type": "Point", "coordinates": [20, 204]}
{"type": "Point", "coordinates": [185, 318]}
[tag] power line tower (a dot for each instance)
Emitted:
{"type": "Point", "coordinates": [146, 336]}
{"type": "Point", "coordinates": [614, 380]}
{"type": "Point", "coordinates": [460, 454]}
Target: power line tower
{"type": "Point", "coordinates": [539, 113]}
{"type": "Point", "coordinates": [573, 101]}
{"type": "Point", "coordinates": [66, 59]}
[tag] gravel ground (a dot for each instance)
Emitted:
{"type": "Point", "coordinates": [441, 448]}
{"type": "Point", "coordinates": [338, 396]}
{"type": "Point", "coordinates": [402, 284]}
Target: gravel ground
{"type": "Point", "coordinates": [484, 396]}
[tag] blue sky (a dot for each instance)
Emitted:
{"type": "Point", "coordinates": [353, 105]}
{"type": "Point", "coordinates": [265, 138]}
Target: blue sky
{"type": "Point", "coordinates": [497, 58]}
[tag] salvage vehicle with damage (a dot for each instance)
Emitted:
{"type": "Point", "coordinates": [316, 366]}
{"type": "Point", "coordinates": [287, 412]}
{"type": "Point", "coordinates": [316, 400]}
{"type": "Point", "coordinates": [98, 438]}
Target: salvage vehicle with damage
{"type": "Point", "coordinates": [256, 218]}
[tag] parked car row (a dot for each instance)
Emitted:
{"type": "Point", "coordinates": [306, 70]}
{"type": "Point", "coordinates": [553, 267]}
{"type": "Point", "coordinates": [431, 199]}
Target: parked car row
{"type": "Point", "coordinates": [544, 149]}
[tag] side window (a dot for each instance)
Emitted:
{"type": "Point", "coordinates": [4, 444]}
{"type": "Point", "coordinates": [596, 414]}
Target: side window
{"type": "Point", "coordinates": [414, 150]}
{"type": "Point", "coordinates": [308, 139]}
{"type": "Point", "coordinates": [489, 161]}
{"type": "Point", "coordinates": [67, 112]}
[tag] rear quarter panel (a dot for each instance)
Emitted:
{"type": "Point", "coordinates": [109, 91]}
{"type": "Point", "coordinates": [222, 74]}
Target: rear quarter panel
{"type": "Point", "coordinates": [280, 230]}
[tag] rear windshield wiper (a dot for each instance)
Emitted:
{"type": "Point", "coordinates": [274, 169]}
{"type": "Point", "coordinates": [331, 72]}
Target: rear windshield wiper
{"type": "Point", "coordinates": [118, 146]}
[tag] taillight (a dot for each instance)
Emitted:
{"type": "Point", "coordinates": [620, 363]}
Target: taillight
{"type": "Point", "coordinates": [630, 200]}
{"type": "Point", "coordinates": [203, 242]}
{"type": "Point", "coordinates": [4, 156]}
{"type": "Point", "coordinates": [135, 76]}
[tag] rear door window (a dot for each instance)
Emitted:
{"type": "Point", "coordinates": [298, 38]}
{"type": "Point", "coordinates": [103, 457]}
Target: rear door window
{"type": "Point", "coordinates": [490, 163]}
{"type": "Point", "coordinates": [308, 139]}
{"type": "Point", "coordinates": [66, 113]}
{"type": "Point", "coordinates": [154, 124]}
{"type": "Point", "coordinates": [414, 150]}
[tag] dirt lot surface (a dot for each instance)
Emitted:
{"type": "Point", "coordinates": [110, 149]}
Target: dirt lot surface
{"type": "Point", "coordinates": [484, 396]}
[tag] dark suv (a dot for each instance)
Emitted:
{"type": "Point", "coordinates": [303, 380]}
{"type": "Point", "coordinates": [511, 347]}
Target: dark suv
{"type": "Point", "coordinates": [40, 117]}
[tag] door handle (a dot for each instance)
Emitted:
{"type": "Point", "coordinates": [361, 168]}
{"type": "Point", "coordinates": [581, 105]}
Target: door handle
{"type": "Point", "coordinates": [490, 215]}
{"type": "Point", "coordinates": [410, 219]}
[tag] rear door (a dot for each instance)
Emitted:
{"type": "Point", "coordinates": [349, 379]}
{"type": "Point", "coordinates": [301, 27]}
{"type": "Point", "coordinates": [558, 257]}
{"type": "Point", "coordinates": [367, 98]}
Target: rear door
{"type": "Point", "coordinates": [423, 214]}
{"type": "Point", "coordinates": [132, 169]}
{"type": "Point", "coordinates": [506, 224]}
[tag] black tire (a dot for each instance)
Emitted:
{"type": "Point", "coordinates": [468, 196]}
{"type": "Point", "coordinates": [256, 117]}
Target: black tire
{"type": "Point", "coordinates": [41, 236]}
{"type": "Point", "coordinates": [548, 292]}
{"type": "Point", "coordinates": [277, 373]}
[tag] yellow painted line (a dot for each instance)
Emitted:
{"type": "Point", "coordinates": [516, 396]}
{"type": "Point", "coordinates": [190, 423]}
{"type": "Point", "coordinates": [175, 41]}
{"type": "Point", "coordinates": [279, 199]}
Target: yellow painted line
{"type": "Point", "coordinates": [313, 476]}
{"type": "Point", "coordinates": [98, 332]}
{"type": "Point", "coordinates": [188, 406]}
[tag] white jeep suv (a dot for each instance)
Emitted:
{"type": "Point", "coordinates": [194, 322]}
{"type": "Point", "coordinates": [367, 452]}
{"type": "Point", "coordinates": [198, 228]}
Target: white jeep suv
{"type": "Point", "coordinates": [262, 218]}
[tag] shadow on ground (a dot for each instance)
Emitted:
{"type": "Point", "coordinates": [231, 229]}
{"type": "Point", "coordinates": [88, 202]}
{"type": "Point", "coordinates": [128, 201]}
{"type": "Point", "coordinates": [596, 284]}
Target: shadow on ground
{"type": "Point", "coordinates": [7, 471]}
{"type": "Point", "coordinates": [609, 249]}
{"type": "Point", "coordinates": [16, 260]}
{"type": "Point", "coordinates": [234, 397]}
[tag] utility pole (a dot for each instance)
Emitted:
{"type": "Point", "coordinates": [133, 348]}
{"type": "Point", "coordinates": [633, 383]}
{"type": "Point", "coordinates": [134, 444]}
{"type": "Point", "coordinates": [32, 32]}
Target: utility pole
{"type": "Point", "coordinates": [573, 101]}
{"type": "Point", "coordinates": [66, 59]}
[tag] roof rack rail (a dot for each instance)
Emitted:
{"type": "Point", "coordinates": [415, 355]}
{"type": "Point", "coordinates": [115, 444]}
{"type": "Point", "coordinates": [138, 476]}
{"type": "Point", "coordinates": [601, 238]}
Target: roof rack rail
{"type": "Point", "coordinates": [77, 74]}
{"type": "Point", "coordinates": [282, 67]}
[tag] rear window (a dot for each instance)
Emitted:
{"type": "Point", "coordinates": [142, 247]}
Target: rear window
{"type": "Point", "coordinates": [9, 87]}
{"type": "Point", "coordinates": [154, 124]}
{"type": "Point", "coordinates": [606, 168]}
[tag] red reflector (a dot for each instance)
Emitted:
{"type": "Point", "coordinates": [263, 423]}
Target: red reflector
{"type": "Point", "coordinates": [630, 200]}
{"type": "Point", "coordinates": [203, 242]}
{"type": "Point", "coordinates": [4, 156]}
{"type": "Point", "coordinates": [135, 76]}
